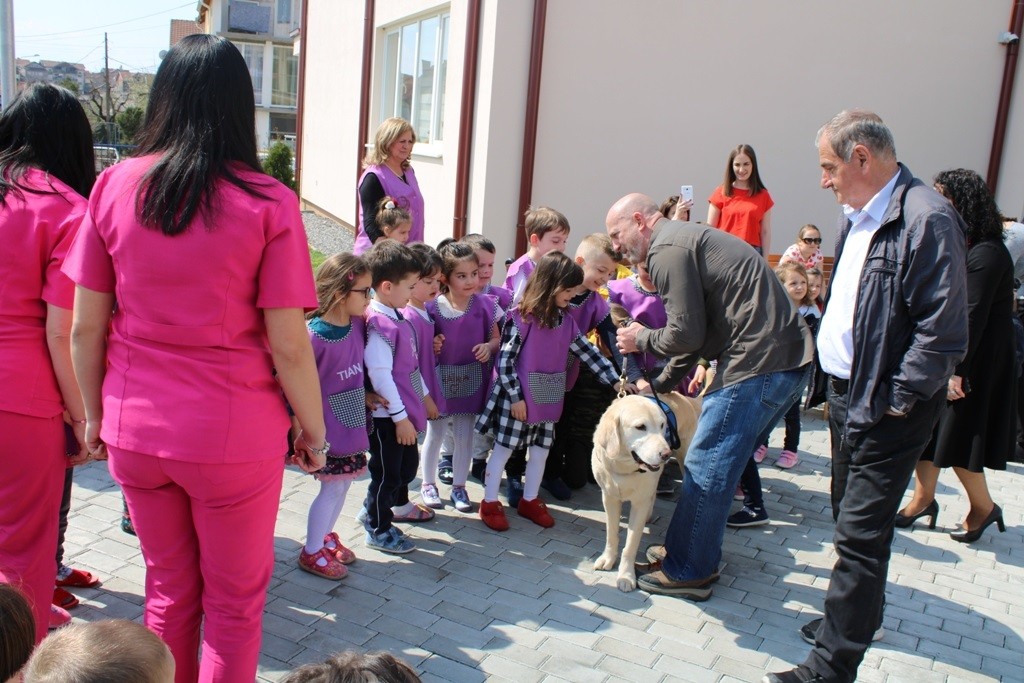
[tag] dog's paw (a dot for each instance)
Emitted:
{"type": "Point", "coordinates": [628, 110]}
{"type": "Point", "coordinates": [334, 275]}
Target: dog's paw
{"type": "Point", "coordinates": [606, 561]}
{"type": "Point", "coordinates": [626, 582]}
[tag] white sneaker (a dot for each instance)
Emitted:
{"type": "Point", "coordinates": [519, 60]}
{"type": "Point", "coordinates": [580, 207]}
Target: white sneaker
{"type": "Point", "coordinates": [460, 499]}
{"type": "Point", "coordinates": [430, 497]}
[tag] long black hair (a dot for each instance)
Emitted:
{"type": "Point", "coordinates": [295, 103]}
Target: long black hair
{"type": "Point", "coordinates": [970, 196]}
{"type": "Point", "coordinates": [45, 127]}
{"type": "Point", "coordinates": [200, 119]}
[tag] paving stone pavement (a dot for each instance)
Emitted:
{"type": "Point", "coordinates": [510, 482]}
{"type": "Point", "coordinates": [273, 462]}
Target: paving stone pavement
{"type": "Point", "coordinates": [526, 605]}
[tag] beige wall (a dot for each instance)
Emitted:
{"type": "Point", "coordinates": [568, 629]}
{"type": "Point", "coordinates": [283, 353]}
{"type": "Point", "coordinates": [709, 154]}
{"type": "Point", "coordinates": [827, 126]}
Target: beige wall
{"type": "Point", "coordinates": [646, 96]}
{"type": "Point", "coordinates": [645, 101]}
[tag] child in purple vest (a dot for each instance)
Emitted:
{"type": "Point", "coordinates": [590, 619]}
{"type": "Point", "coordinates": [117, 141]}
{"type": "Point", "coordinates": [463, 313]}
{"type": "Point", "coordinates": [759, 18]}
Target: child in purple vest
{"type": "Point", "coordinates": [546, 230]}
{"type": "Point", "coordinates": [468, 322]}
{"type": "Point", "coordinates": [392, 362]}
{"type": "Point", "coordinates": [568, 465]}
{"type": "Point", "coordinates": [526, 400]}
{"type": "Point", "coordinates": [337, 332]}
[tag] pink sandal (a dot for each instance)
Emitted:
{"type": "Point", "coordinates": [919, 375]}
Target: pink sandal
{"type": "Point", "coordinates": [787, 459]}
{"type": "Point", "coordinates": [419, 513]}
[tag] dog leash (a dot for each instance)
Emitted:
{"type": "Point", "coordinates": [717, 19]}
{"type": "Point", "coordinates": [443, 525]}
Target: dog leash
{"type": "Point", "coordinates": [671, 430]}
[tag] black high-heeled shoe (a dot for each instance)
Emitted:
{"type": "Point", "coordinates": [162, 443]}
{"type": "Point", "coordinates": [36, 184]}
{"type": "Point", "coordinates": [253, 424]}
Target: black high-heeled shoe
{"type": "Point", "coordinates": [965, 536]}
{"type": "Point", "coordinates": [903, 521]}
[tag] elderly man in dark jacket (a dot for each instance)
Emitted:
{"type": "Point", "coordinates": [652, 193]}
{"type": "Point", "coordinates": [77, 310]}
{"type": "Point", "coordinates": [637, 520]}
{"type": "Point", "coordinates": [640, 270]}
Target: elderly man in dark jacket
{"type": "Point", "coordinates": [894, 328]}
{"type": "Point", "coordinates": [723, 302]}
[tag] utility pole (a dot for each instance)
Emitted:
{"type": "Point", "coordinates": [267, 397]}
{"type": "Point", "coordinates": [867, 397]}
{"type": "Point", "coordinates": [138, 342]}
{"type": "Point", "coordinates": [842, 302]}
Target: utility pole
{"type": "Point", "coordinates": [7, 81]}
{"type": "Point", "coordinates": [108, 104]}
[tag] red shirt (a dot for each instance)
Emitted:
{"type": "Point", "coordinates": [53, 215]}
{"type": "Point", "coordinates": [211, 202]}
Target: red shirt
{"type": "Point", "coordinates": [189, 372]}
{"type": "Point", "coordinates": [741, 213]}
{"type": "Point", "coordinates": [36, 231]}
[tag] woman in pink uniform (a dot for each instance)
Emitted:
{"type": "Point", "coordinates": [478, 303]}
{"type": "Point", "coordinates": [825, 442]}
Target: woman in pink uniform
{"type": "Point", "coordinates": [46, 170]}
{"type": "Point", "coordinates": [206, 259]}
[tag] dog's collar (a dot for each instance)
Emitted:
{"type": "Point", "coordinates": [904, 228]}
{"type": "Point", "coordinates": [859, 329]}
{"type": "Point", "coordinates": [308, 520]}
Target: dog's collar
{"type": "Point", "coordinates": [644, 467]}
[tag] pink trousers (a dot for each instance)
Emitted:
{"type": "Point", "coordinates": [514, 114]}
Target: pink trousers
{"type": "Point", "coordinates": [32, 464]}
{"type": "Point", "coordinates": [207, 535]}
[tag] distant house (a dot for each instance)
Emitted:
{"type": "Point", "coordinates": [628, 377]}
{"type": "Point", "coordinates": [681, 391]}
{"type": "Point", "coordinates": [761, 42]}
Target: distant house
{"type": "Point", "coordinates": [264, 32]}
{"type": "Point", "coordinates": [181, 28]}
{"type": "Point", "coordinates": [48, 71]}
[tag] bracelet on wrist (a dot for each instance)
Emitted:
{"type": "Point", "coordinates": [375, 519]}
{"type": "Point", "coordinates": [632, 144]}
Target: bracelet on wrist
{"type": "Point", "coordinates": [323, 450]}
{"type": "Point", "coordinates": [77, 422]}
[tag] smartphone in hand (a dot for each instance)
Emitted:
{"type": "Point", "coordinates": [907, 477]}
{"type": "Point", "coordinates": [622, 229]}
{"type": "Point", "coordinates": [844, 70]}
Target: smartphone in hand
{"type": "Point", "coordinates": [686, 193]}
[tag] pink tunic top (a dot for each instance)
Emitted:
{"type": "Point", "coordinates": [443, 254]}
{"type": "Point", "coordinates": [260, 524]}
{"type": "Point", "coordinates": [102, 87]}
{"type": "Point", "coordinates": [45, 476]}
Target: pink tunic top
{"type": "Point", "coordinates": [189, 373]}
{"type": "Point", "coordinates": [36, 231]}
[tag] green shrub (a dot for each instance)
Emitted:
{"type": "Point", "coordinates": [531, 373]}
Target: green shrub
{"type": "Point", "coordinates": [279, 164]}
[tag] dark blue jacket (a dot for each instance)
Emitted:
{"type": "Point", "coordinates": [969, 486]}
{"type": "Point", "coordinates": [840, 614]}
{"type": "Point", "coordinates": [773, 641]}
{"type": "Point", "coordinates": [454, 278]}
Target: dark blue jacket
{"type": "Point", "coordinates": [910, 321]}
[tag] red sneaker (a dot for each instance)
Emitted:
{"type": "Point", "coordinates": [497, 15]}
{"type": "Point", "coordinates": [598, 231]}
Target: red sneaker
{"type": "Point", "coordinates": [493, 514]}
{"type": "Point", "coordinates": [330, 569]}
{"type": "Point", "coordinates": [334, 545]}
{"type": "Point", "coordinates": [537, 512]}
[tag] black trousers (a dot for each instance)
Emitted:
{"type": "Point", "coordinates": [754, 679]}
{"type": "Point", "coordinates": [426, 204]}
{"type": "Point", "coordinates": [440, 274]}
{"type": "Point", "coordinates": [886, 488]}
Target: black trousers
{"type": "Point", "coordinates": [869, 476]}
{"type": "Point", "coordinates": [65, 508]}
{"type": "Point", "coordinates": [392, 468]}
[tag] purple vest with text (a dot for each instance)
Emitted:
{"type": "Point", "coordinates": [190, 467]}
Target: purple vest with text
{"type": "Point", "coordinates": [407, 194]}
{"type": "Point", "coordinates": [465, 381]}
{"type": "Point", "coordinates": [339, 362]}
{"type": "Point", "coordinates": [586, 315]}
{"type": "Point", "coordinates": [541, 365]}
{"type": "Point", "coordinates": [401, 337]}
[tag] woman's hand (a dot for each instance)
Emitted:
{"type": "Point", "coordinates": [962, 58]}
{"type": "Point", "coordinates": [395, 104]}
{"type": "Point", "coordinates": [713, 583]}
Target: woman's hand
{"type": "Point", "coordinates": [626, 337]}
{"type": "Point", "coordinates": [697, 383]}
{"type": "Point", "coordinates": [682, 210]}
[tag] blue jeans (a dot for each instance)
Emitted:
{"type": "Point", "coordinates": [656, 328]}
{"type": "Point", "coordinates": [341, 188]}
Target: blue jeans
{"type": "Point", "coordinates": [731, 421]}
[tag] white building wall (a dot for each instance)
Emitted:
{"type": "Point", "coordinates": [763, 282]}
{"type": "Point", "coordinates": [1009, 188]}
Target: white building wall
{"type": "Point", "coordinates": [647, 96]}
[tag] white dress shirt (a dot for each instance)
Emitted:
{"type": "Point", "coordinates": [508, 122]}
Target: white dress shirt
{"type": "Point", "coordinates": [835, 336]}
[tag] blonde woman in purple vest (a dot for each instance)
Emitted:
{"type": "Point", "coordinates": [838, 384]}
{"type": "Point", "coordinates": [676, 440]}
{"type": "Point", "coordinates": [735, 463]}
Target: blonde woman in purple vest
{"type": "Point", "coordinates": [388, 174]}
{"type": "Point", "coordinates": [535, 345]}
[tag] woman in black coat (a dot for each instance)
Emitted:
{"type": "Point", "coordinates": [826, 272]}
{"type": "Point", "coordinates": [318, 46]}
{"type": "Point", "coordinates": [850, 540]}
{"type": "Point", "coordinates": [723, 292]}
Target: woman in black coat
{"type": "Point", "coordinates": [977, 429]}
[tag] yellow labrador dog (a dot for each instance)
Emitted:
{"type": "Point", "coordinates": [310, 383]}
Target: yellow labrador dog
{"type": "Point", "coordinates": [629, 450]}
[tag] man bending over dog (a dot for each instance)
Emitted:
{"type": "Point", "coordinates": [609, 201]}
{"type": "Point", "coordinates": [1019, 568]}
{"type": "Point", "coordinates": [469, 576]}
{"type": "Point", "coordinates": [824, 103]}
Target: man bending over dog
{"type": "Point", "coordinates": [723, 302]}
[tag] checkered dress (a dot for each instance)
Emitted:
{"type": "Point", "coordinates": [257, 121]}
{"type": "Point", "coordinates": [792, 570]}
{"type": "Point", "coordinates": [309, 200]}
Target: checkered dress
{"type": "Point", "coordinates": [497, 415]}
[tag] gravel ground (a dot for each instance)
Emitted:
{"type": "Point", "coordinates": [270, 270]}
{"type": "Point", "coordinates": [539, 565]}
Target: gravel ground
{"type": "Point", "coordinates": [325, 235]}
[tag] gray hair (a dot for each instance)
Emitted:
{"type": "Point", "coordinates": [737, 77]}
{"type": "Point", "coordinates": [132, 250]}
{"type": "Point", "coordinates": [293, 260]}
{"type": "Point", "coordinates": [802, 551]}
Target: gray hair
{"type": "Point", "coordinates": [853, 127]}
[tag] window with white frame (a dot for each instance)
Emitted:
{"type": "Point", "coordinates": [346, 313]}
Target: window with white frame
{"type": "Point", "coordinates": [415, 70]}
{"type": "Point", "coordinates": [253, 55]}
{"type": "Point", "coordinates": [285, 80]}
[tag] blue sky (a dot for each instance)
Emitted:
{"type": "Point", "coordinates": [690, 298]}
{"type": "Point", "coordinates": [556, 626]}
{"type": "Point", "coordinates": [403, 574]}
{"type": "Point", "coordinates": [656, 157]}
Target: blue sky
{"type": "Point", "coordinates": [72, 30]}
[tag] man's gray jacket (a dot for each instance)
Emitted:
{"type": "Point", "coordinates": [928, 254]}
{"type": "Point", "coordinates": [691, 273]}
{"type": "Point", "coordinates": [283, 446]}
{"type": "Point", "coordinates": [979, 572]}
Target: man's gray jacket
{"type": "Point", "coordinates": [723, 303]}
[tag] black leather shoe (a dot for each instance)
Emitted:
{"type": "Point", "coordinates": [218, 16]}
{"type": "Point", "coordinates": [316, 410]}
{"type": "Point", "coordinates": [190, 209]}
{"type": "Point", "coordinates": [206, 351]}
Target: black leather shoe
{"type": "Point", "coordinates": [801, 674]}
{"type": "Point", "coordinates": [964, 536]}
{"type": "Point", "coordinates": [903, 521]}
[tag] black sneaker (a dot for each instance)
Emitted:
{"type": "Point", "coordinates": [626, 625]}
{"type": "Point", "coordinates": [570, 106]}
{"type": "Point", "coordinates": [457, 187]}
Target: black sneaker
{"type": "Point", "coordinates": [444, 471]}
{"type": "Point", "coordinates": [748, 516]}
{"type": "Point", "coordinates": [666, 485]}
{"type": "Point", "coordinates": [801, 674]}
{"type": "Point", "coordinates": [514, 491]}
{"type": "Point", "coordinates": [478, 470]}
{"type": "Point", "coordinates": [557, 488]}
{"type": "Point", "coordinates": [809, 631]}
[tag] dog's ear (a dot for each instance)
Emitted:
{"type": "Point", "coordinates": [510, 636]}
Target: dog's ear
{"type": "Point", "coordinates": [607, 429]}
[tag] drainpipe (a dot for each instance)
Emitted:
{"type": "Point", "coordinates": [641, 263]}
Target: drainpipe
{"type": "Point", "coordinates": [364, 93]}
{"type": "Point", "coordinates": [299, 108]}
{"type": "Point", "coordinates": [466, 115]}
{"type": "Point", "coordinates": [540, 10]}
{"type": "Point", "coordinates": [995, 159]}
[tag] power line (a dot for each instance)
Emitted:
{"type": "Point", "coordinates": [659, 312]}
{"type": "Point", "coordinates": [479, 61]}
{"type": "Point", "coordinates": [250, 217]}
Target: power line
{"type": "Point", "coordinates": [116, 23]}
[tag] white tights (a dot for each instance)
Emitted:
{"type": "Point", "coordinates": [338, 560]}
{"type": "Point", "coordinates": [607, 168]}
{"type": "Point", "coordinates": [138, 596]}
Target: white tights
{"type": "Point", "coordinates": [462, 430]}
{"type": "Point", "coordinates": [496, 465]}
{"type": "Point", "coordinates": [324, 512]}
